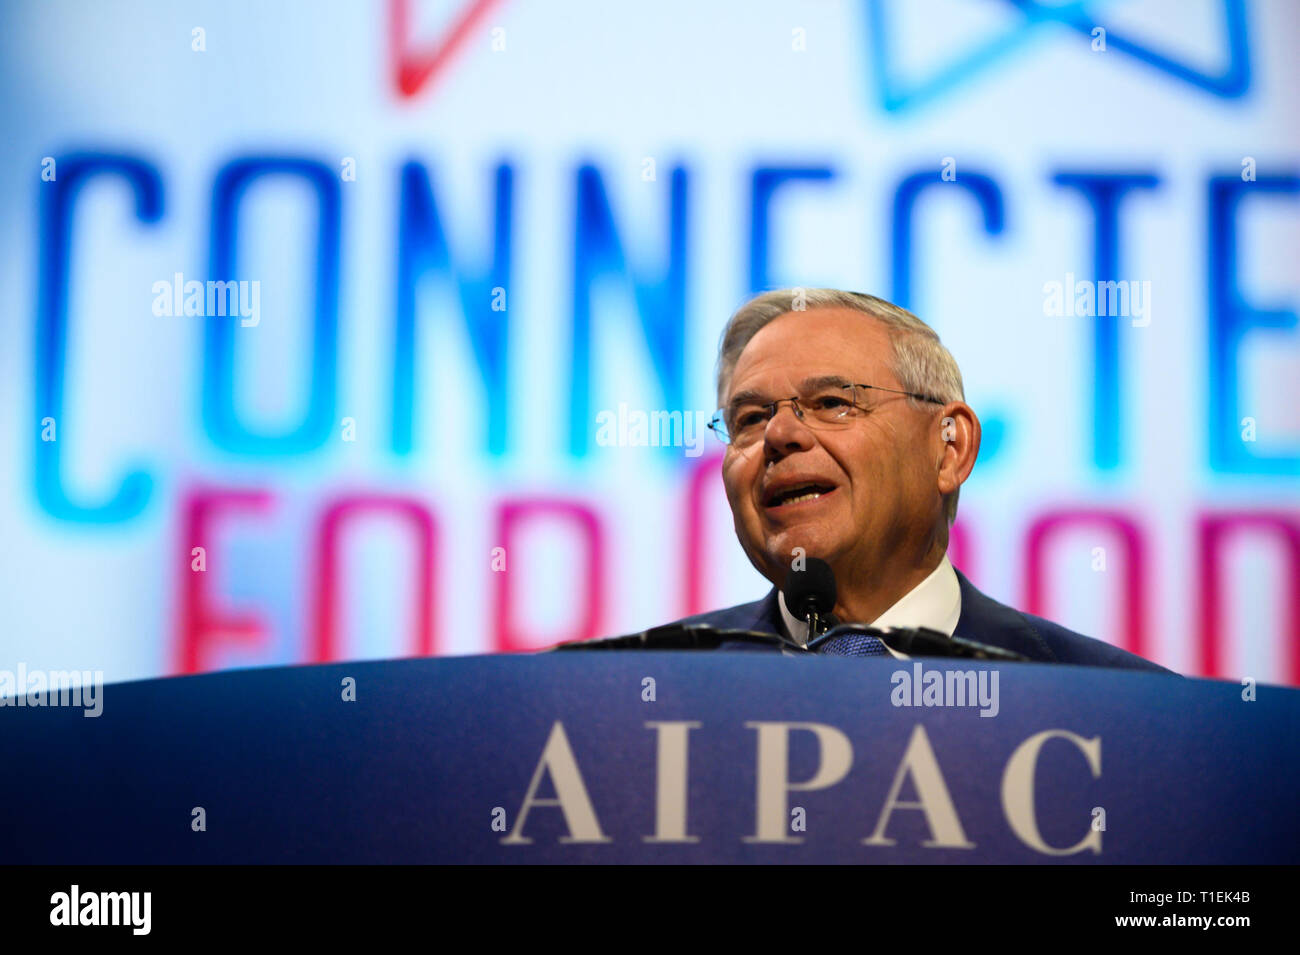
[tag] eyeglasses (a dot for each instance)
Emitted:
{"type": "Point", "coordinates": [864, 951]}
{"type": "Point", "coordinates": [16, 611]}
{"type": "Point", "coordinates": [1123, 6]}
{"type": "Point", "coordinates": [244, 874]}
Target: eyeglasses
{"type": "Point", "coordinates": [829, 407]}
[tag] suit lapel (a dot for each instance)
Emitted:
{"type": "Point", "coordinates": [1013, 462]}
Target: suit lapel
{"type": "Point", "coordinates": [985, 620]}
{"type": "Point", "coordinates": [767, 616]}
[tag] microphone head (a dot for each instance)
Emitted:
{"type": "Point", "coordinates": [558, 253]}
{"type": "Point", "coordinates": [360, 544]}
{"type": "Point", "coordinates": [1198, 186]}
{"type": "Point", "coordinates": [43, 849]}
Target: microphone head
{"type": "Point", "coordinates": [811, 589]}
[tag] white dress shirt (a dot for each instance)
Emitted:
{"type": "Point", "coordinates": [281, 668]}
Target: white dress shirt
{"type": "Point", "coordinates": [935, 603]}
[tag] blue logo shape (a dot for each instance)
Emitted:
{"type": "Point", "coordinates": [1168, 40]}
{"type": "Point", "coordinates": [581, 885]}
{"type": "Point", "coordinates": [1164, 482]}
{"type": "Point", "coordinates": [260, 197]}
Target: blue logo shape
{"type": "Point", "coordinates": [897, 97]}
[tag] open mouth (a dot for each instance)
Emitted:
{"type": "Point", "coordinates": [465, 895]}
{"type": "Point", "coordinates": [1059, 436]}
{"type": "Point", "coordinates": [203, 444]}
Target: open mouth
{"type": "Point", "coordinates": [798, 494]}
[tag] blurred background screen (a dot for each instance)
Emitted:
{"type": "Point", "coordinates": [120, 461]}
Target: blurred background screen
{"type": "Point", "coordinates": [341, 330]}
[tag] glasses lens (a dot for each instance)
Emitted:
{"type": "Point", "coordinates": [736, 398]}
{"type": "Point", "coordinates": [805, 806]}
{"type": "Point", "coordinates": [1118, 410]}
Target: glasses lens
{"type": "Point", "coordinates": [831, 406]}
{"type": "Point", "coordinates": [745, 423]}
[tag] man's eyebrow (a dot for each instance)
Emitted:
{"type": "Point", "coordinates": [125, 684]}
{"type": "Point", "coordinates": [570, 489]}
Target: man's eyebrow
{"type": "Point", "coordinates": [824, 381]}
{"type": "Point", "coordinates": [750, 395]}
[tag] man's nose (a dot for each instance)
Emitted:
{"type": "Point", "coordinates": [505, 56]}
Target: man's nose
{"type": "Point", "coordinates": [786, 433]}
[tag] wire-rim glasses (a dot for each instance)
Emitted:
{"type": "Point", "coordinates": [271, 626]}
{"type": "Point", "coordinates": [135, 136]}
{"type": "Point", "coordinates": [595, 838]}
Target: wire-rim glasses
{"type": "Point", "coordinates": [830, 406]}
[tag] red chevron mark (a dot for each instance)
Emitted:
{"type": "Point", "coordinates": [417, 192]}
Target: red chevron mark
{"type": "Point", "coordinates": [413, 67]}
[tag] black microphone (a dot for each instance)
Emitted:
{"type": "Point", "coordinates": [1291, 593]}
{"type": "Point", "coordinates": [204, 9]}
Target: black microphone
{"type": "Point", "coordinates": [810, 593]}
{"type": "Point", "coordinates": [683, 636]}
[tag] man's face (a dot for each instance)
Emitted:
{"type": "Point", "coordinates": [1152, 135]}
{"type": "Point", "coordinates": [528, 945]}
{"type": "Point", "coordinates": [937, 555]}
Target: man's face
{"type": "Point", "coordinates": [882, 500]}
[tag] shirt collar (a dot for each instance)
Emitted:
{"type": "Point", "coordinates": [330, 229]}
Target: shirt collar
{"type": "Point", "coordinates": [935, 603]}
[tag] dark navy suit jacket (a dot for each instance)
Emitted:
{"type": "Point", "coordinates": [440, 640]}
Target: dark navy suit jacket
{"type": "Point", "coordinates": [982, 619]}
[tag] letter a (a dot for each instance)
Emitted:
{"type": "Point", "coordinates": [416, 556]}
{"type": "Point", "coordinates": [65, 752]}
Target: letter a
{"type": "Point", "coordinates": [571, 794]}
{"type": "Point", "coordinates": [940, 813]}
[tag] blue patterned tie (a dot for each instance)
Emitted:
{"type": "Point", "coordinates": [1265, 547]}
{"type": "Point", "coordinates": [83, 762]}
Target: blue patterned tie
{"type": "Point", "coordinates": [851, 645]}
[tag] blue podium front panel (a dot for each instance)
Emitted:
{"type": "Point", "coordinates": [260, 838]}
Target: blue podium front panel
{"type": "Point", "coordinates": [657, 757]}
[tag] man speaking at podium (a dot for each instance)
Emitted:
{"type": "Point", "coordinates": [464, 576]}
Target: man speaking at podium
{"type": "Point", "coordinates": [848, 440]}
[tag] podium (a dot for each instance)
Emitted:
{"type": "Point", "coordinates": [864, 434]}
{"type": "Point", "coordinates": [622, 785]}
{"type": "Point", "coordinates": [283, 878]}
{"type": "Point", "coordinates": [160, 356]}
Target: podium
{"type": "Point", "coordinates": [658, 757]}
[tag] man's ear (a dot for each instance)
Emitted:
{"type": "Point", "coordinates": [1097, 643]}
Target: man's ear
{"type": "Point", "coordinates": [959, 444]}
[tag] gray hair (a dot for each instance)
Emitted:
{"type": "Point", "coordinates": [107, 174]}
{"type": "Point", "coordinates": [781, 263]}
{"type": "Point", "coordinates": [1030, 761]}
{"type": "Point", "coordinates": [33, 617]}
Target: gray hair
{"type": "Point", "coordinates": [920, 362]}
